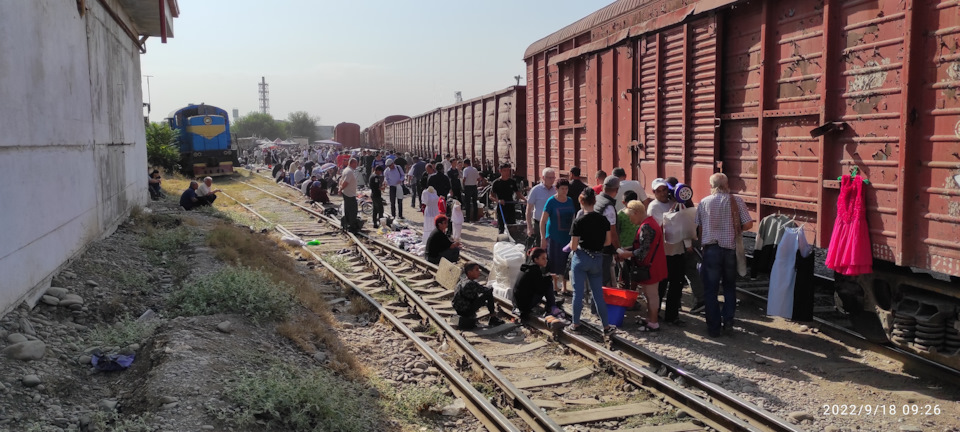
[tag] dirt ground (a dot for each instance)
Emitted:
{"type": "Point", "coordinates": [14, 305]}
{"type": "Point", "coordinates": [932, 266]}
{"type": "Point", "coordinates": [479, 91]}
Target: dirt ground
{"type": "Point", "coordinates": [187, 369]}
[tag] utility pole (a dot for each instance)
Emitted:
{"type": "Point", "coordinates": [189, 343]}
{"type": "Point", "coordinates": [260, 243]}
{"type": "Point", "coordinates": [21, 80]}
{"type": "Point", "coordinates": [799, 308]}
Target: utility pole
{"type": "Point", "coordinates": [264, 96]}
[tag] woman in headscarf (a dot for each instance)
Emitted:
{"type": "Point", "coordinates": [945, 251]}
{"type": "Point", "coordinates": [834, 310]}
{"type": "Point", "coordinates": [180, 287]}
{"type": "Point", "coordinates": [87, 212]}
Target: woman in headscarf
{"type": "Point", "coordinates": [431, 209]}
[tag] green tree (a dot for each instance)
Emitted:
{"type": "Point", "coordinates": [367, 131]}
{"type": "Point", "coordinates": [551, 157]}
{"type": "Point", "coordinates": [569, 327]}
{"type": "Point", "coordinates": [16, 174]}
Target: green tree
{"type": "Point", "coordinates": [162, 147]}
{"type": "Point", "coordinates": [256, 124]}
{"type": "Point", "coordinates": [300, 124]}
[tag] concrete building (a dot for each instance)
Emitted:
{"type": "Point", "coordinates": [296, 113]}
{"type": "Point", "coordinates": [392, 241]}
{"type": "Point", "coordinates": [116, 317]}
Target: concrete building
{"type": "Point", "coordinates": [72, 149]}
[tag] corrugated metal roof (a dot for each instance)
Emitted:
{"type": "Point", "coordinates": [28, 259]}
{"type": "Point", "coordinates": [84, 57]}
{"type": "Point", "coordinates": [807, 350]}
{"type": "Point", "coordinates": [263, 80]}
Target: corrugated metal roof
{"type": "Point", "coordinates": [607, 13]}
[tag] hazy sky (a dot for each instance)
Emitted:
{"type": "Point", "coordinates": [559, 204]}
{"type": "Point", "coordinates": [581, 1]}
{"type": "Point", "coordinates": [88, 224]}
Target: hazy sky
{"type": "Point", "coordinates": [352, 61]}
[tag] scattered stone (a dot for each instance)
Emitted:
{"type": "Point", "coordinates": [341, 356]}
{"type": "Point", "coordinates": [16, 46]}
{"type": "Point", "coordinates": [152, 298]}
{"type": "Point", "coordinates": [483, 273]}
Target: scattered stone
{"type": "Point", "coordinates": [16, 338]}
{"type": "Point", "coordinates": [760, 360]}
{"type": "Point", "coordinates": [454, 409]}
{"type": "Point", "coordinates": [29, 350]}
{"type": "Point", "coordinates": [30, 380]}
{"type": "Point", "coordinates": [50, 300]}
{"type": "Point", "coordinates": [225, 327]}
{"type": "Point", "coordinates": [92, 283]}
{"type": "Point", "coordinates": [555, 364]}
{"type": "Point", "coordinates": [320, 356]}
{"type": "Point", "coordinates": [70, 300]}
{"type": "Point", "coordinates": [107, 404]}
{"type": "Point", "coordinates": [804, 328]}
{"type": "Point", "coordinates": [27, 328]}
{"type": "Point", "coordinates": [84, 359]}
{"type": "Point", "coordinates": [798, 416]}
{"type": "Point", "coordinates": [56, 292]}
{"type": "Point", "coordinates": [168, 399]}
{"type": "Point", "coordinates": [148, 315]}
{"type": "Point", "coordinates": [910, 428]}
{"type": "Point", "coordinates": [831, 428]}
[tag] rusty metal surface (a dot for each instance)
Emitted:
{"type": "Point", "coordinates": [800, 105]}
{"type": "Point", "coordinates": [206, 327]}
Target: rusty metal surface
{"type": "Point", "coordinates": [376, 136]}
{"type": "Point", "coordinates": [739, 90]}
{"type": "Point", "coordinates": [347, 134]}
{"type": "Point", "coordinates": [487, 129]}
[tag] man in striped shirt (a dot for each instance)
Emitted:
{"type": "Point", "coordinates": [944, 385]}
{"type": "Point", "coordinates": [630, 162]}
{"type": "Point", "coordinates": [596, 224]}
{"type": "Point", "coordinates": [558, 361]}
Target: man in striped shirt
{"type": "Point", "coordinates": [718, 234]}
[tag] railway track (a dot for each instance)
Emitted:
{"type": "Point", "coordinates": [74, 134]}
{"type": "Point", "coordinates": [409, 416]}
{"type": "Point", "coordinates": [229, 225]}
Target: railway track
{"type": "Point", "coordinates": [851, 337]}
{"type": "Point", "coordinates": [608, 383]}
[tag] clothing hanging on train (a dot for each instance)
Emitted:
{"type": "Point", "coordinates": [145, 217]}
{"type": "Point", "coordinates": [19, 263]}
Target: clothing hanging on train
{"type": "Point", "coordinates": [784, 275]}
{"type": "Point", "coordinates": [849, 252]}
{"type": "Point", "coordinates": [803, 293]}
{"type": "Point", "coordinates": [768, 236]}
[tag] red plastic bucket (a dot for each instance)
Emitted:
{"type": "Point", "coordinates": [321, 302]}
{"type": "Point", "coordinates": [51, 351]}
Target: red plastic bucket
{"type": "Point", "coordinates": [619, 297]}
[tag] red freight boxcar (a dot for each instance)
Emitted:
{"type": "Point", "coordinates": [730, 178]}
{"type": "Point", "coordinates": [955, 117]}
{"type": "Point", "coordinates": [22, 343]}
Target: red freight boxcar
{"type": "Point", "coordinates": [347, 134]}
{"type": "Point", "coordinates": [783, 97]}
{"type": "Point", "coordinates": [376, 134]}
{"type": "Point", "coordinates": [487, 129]}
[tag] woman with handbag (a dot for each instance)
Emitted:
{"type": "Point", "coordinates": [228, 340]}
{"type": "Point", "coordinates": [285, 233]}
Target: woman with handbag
{"type": "Point", "coordinates": [648, 262]}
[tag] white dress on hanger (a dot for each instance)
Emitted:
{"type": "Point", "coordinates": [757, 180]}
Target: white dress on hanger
{"type": "Point", "coordinates": [783, 277]}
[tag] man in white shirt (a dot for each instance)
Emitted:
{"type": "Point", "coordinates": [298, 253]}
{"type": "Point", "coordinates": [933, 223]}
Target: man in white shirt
{"type": "Point", "coordinates": [536, 199]}
{"type": "Point", "coordinates": [671, 288]}
{"type": "Point", "coordinates": [471, 179]}
{"type": "Point", "coordinates": [204, 193]}
{"type": "Point", "coordinates": [348, 189]}
{"type": "Point", "coordinates": [631, 185]}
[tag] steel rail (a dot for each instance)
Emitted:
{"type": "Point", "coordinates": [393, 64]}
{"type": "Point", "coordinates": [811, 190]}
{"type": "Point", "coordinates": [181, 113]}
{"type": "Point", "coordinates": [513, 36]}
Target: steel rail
{"type": "Point", "coordinates": [477, 403]}
{"type": "Point", "coordinates": [758, 419]}
{"type": "Point", "coordinates": [853, 338]}
{"type": "Point", "coordinates": [720, 418]}
{"type": "Point", "coordinates": [527, 409]}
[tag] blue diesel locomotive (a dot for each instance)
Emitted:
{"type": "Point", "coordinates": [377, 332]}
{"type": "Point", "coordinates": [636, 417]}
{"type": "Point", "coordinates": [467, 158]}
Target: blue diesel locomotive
{"type": "Point", "coordinates": [205, 142]}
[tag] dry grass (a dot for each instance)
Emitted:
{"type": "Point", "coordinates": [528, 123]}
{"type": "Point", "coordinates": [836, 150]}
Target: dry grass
{"type": "Point", "coordinates": [262, 252]}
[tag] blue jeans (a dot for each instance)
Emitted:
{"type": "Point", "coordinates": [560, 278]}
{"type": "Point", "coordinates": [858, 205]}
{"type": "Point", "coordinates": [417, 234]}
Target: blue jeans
{"type": "Point", "coordinates": [585, 268]}
{"type": "Point", "coordinates": [719, 265]}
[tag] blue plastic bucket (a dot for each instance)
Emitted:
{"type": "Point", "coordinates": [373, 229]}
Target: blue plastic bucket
{"type": "Point", "coordinates": [615, 314]}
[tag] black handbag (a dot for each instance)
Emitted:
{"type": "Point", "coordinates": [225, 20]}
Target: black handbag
{"type": "Point", "coordinates": [406, 190]}
{"type": "Point", "coordinates": [640, 272]}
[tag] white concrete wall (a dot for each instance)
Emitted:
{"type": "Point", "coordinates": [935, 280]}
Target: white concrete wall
{"type": "Point", "coordinates": [72, 146]}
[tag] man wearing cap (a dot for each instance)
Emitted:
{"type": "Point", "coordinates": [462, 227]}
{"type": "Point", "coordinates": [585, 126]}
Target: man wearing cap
{"type": "Point", "coordinates": [503, 190]}
{"type": "Point", "coordinates": [671, 288]}
{"type": "Point", "coordinates": [629, 185]}
{"type": "Point", "coordinates": [576, 187]}
{"type": "Point", "coordinates": [536, 199]}
{"type": "Point", "coordinates": [607, 206]}
{"type": "Point", "coordinates": [394, 177]}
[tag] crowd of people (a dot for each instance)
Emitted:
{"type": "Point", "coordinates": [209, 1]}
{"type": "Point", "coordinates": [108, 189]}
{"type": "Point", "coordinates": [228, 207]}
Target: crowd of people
{"type": "Point", "coordinates": [612, 235]}
{"type": "Point", "coordinates": [582, 238]}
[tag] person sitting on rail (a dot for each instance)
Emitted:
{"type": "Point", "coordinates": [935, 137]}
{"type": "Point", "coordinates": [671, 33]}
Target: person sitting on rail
{"type": "Point", "coordinates": [535, 284]}
{"type": "Point", "coordinates": [439, 245]}
{"type": "Point", "coordinates": [154, 185]}
{"type": "Point", "coordinates": [305, 186]}
{"type": "Point", "coordinates": [189, 199]}
{"type": "Point", "coordinates": [205, 193]}
{"type": "Point", "coordinates": [470, 296]}
{"type": "Point", "coordinates": [318, 191]}
{"type": "Point", "coordinates": [300, 175]}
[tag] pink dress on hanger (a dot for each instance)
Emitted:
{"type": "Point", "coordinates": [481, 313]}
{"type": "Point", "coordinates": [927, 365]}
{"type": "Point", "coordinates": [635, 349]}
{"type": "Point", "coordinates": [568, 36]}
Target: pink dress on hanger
{"type": "Point", "coordinates": [849, 252]}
